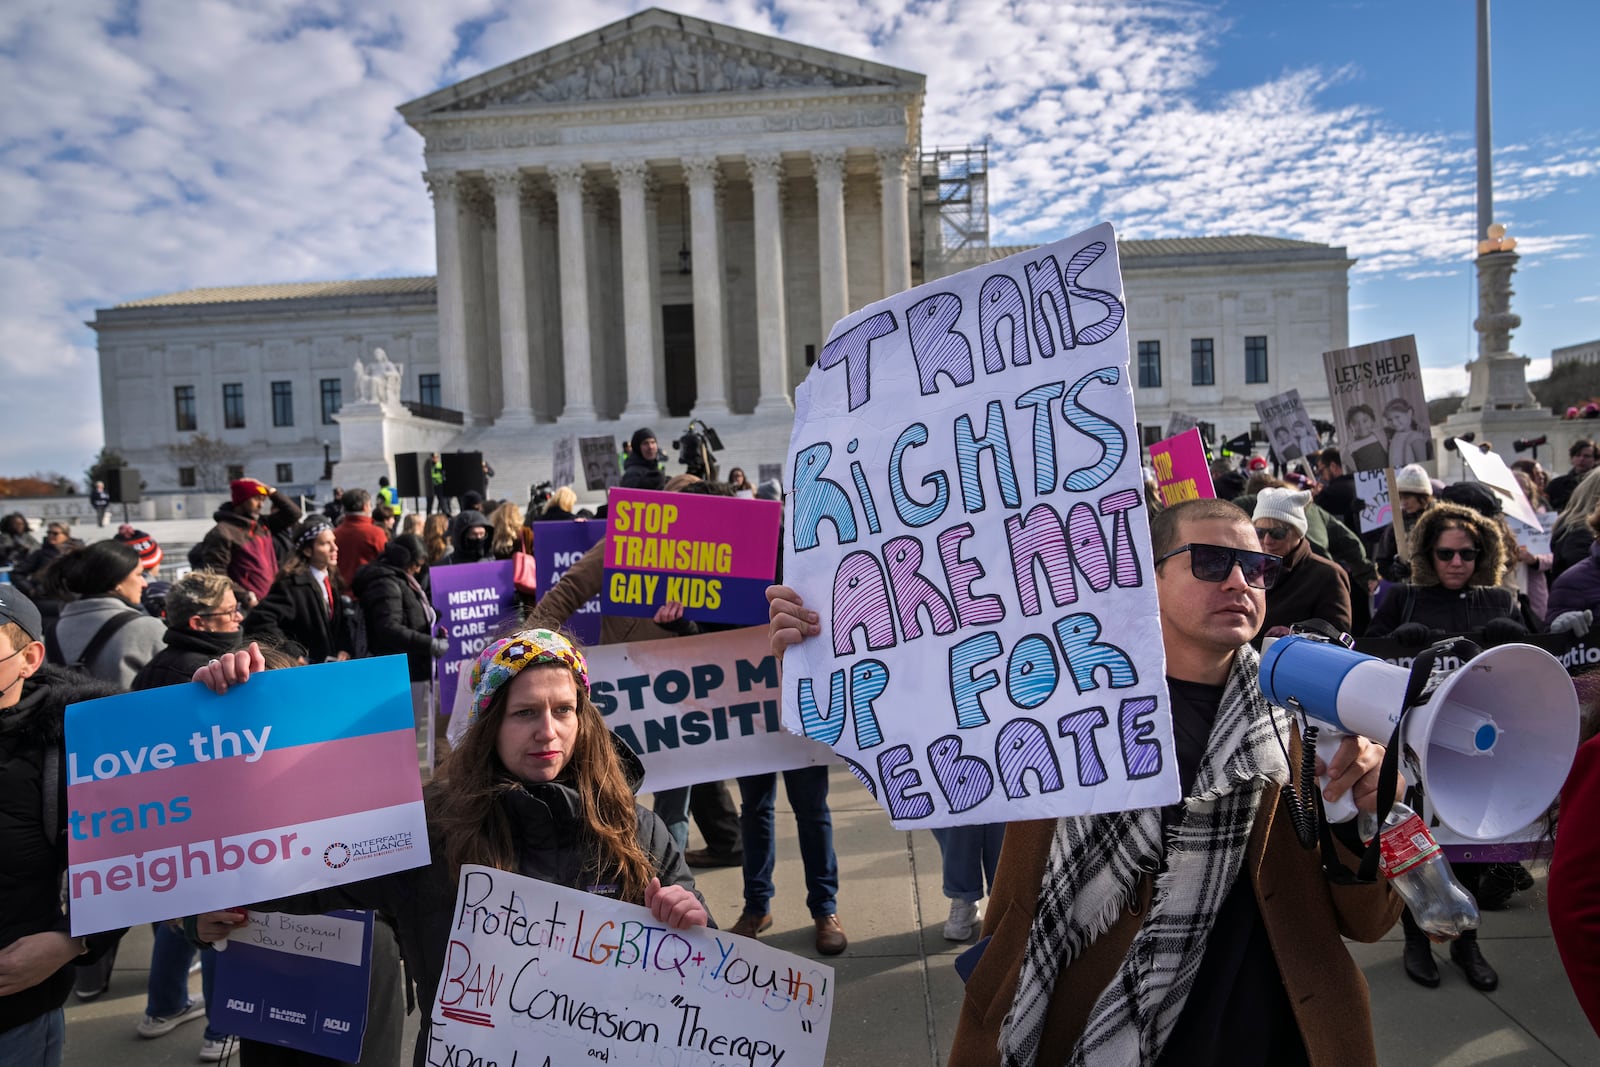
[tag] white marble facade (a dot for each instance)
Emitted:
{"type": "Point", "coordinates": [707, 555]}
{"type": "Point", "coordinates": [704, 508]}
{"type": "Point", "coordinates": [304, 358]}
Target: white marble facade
{"type": "Point", "coordinates": [568, 185]}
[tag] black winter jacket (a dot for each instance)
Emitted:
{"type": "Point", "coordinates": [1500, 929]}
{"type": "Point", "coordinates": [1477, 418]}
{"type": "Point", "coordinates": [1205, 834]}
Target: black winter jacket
{"type": "Point", "coordinates": [34, 860]}
{"type": "Point", "coordinates": [186, 652]}
{"type": "Point", "coordinates": [295, 610]}
{"type": "Point", "coordinates": [396, 616]}
{"type": "Point", "coordinates": [551, 847]}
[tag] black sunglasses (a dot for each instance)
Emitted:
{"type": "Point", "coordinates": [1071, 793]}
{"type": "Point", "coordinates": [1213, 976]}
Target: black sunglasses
{"type": "Point", "coordinates": [1277, 533]}
{"type": "Point", "coordinates": [1445, 555]}
{"type": "Point", "coordinates": [1213, 563]}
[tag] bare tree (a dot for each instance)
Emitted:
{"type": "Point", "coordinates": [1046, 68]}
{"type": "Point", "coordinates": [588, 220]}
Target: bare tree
{"type": "Point", "coordinates": [210, 459]}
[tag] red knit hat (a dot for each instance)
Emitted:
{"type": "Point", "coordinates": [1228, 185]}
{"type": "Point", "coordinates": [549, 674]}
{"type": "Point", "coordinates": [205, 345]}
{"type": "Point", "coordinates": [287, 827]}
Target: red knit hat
{"type": "Point", "coordinates": [1257, 463]}
{"type": "Point", "coordinates": [245, 488]}
{"type": "Point", "coordinates": [142, 543]}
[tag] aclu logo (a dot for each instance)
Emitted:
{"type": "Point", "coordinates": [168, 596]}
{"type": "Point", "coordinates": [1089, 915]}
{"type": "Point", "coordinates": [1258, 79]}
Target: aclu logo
{"type": "Point", "coordinates": [235, 1004]}
{"type": "Point", "coordinates": [337, 1026]}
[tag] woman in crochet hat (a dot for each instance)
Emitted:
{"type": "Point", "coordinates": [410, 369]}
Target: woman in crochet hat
{"type": "Point", "coordinates": [1308, 586]}
{"type": "Point", "coordinates": [537, 785]}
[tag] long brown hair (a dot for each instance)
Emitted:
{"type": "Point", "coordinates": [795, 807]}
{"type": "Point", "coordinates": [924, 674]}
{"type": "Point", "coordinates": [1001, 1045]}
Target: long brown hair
{"type": "Point", "coordinates": [300, 559]}
{"type": "Point", "coordinates": [473, 827]}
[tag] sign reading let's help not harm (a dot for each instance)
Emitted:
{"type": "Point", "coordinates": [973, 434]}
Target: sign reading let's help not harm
{"type": "Point", "coordinates": [967, 516]}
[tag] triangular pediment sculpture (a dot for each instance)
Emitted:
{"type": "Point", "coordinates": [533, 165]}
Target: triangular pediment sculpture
{"type": "Point", "coordinates": [659, 54]}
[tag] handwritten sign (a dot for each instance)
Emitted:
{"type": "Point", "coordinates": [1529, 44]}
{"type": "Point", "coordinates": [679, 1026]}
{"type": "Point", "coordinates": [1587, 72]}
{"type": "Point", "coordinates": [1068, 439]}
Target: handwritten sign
{"type": "Point", "coordinates": [563, 462]}
{"type": "Point", "coordinates": [1378, 404]}
{"type": "Point", "coordinates": [474, 601]}
{"type": "Point", "coordinates": [599, 455]}
{"type": "Point", "coordinates": [1181, 470]}
{"type": "Point", "coordinates": [300, 981]}
{"type": "Point", "coordinates": [967, 517]}
{"type": "Point", "coordinates": [699, 709]}
{"type": "Point", "coordinates": [182, 801]}
{"type": "Point", "coordinates": [557, 976]}
{"type": "Point", "coordinates": [1372, 488]}
{"type": "Point", "coordinates": [556, 547]}
{"type": "Point", "coordinates": [1289, 429]}
{"type": "Point", "coordinates": [714, 555]}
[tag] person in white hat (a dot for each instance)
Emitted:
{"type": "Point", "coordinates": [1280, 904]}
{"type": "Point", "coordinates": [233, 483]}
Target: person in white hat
{"type": "Point", "coordinates": [1308, 586]}
{"type": "Point", "coordinates": [1416, 496]}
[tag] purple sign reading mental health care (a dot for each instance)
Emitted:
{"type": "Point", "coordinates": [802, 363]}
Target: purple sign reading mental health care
{"type": "Point", "coordinates": [556, 547]}
{"type": "Point", "coordinates": [474, 602]}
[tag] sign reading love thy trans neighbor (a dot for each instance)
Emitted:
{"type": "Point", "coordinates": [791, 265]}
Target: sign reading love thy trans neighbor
{"type": "Point", "coordinates": [699, 709]}
{"type": "Point", "coordinates": [967, 517]}
{"type": "Point", "coordinates": [474, 602]}
{"type": "Point", "coordinates": [181, 800]}
{"type": "Point", "coordinates": [714, 555]}
{"type": "Point", "coordinates": [537, 973]}
{"type": "Point", "coordinates": [1181, 471]}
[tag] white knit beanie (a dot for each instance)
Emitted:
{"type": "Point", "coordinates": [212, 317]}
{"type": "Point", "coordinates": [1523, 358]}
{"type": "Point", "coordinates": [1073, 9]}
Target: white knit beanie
{"type": "Point", "coordinates": [1413, 479]}
{"type": "Point", "coordinates": [1286, 504]}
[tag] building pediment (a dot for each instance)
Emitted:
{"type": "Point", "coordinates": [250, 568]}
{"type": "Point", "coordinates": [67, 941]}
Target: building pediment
{"type": "Point", "coordinates": [653, 55]}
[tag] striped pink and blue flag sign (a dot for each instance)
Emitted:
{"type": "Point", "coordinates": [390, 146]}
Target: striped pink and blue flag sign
{"type": "Point", "coordinates": [714, 555]}
{"type": "Point", "coordinates": [181, 800]}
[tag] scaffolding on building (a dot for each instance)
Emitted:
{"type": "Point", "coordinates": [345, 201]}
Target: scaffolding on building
{"type": "Point", "coordinates": [955, 209]}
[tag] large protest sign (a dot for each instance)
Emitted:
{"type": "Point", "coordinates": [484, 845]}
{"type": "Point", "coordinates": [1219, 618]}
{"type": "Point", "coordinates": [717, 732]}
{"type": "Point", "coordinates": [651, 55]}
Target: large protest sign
{"type": "Point", "coordinates": [300, 981]}
{"type": "Point", "coordinates": [699, 709]}
{"type": "Point", "coordinates": [599, 456]}
{"type": "Point", "coordinates": [966, 515]}
{"type": "Point", "coordinates": [181, 801]}
{"type": "Point", "coordinates": [714, 555]}
{"type": "Point", "coordinates": [556, 547]}
{"type": "Point", "coordinates": [1378, 404]}
{"type": "Point", "coordinates": [563, 462]}
{"type": "Point", "coordinates": [1181, 470]}
{"type": "Point", "coordinates": [1289, 429]}
{"type": "Point", "coordinates": [1491, 470]}
{"type": "Point", "coordinates": [474, 601]}
{"type": "Point", "coordinates": [558, 976]}
{"type": "Point", "coordinates": [1372, 489]}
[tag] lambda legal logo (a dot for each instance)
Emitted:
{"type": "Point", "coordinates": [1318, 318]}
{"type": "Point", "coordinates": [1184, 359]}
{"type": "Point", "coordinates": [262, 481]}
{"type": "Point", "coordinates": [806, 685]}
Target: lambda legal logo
{"type": "Point", "coordinates": [336, 855]}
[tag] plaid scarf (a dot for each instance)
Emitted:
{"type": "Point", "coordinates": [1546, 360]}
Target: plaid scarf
{"type": "Point", "coordinates": [1093, 876]}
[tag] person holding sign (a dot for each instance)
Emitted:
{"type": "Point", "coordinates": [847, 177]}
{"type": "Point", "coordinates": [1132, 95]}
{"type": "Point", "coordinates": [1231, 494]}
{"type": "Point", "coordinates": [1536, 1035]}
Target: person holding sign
{"type": "Point", "coordinates": [38, 954]}
{"type": "Point", "coordinates": [537, 786]}
{"type": "Point", "coordinates": [1238, 958]}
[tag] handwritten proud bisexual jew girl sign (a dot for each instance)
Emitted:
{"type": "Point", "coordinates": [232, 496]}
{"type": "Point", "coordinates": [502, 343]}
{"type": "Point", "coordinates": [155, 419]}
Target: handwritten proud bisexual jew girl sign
{"type": "Point", "coordinates": [967, 516]}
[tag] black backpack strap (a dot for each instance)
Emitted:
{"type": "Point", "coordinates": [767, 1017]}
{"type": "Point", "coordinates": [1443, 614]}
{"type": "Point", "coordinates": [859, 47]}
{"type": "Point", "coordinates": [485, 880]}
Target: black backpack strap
{"type": "Point", "coordinates": [50, 794]}
{"type": "Point", "coordinates": [102, 637]}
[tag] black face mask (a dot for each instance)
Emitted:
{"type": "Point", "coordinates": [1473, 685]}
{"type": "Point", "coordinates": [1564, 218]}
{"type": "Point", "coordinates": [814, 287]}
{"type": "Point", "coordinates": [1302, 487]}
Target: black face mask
{"type": "Point", "coordinates": [473, 549]}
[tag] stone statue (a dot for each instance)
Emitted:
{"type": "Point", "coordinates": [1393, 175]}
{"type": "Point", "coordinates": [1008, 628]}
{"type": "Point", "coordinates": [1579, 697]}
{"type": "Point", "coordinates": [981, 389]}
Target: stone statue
{"type": "Point", "coordinates": [379, 384]}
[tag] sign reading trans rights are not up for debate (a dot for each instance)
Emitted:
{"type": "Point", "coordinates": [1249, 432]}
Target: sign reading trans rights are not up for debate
{"type": "Point", "coordinates": [967, 516]}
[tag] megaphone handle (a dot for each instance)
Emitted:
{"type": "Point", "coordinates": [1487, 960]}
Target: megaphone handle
{"type": "Point", "coordinates": [1343, 809]}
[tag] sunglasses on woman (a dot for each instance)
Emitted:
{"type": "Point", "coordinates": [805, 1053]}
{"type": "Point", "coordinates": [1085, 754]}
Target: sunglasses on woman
{"type": "Point", "coordinates": [1445, 555]}
{"type": "Point", "coordinates": [1213, 563]}
{"type": "Point", "coordinates": [1277, 533]}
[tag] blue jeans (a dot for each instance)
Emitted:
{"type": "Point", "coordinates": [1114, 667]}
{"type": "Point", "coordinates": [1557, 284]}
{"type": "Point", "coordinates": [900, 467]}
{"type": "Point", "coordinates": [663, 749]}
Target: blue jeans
{"type": "Point", "coordinates": [167, 992]}
{"type": "Point", "coordinates": [808, 795]}
{"type": "Point", "coordinates": [36, 1043]}
{"type": "Point", "coordinates": [673, 807]}
{"type": "Point", "coordinates": [970, 854]}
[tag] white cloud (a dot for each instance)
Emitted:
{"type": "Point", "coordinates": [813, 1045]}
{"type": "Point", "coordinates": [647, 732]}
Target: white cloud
{"type": "Point", "coordinates": [174, 143]}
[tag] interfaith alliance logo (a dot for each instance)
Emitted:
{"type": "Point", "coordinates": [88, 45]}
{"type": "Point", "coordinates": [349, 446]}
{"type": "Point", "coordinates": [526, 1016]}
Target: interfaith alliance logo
{"type": "Point", "coordinates": [338, 854]}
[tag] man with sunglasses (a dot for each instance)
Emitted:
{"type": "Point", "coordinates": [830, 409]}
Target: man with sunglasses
{"type": "Point", "coordinates": [1205, 933]}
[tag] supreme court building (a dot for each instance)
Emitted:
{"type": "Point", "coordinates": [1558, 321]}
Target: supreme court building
{"type": "Point", "coordinates": [659, 219]}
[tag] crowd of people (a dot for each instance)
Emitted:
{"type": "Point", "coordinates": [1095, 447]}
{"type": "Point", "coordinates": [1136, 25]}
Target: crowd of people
{"type": "Point", "coordinates": [1197, 933]}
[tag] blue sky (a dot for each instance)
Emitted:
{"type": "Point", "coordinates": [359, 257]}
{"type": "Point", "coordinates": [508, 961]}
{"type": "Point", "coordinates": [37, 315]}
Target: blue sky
{"type": "Point", "coordinates": [156, 145]}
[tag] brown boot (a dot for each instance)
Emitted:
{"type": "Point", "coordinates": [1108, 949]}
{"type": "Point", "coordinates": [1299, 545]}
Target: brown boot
{"type": "Point", "coordinates": [830, 935]}
{"type": "Point", "coordinates": [750, 925]}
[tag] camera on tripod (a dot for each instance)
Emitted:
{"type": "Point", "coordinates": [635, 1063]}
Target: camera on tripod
{"type": "Point", "coordinates": [538, 496]}
{"type": "Point", "coordinates": [697, 449]}
{"type": "Point", "coordinates": [1524, 444]}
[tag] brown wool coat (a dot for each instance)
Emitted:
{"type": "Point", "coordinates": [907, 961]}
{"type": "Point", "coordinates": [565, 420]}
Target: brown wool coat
{"type": "Point", "coordinates": [583, 580]}
{"type": "Point", "coordinates": [1304, 917]}
{"type": "Point", "coordinates": [1308, 587]}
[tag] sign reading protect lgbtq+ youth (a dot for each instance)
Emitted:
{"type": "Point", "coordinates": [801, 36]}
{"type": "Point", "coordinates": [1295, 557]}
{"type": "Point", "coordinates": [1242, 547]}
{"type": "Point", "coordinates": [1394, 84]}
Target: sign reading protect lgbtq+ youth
{"type": "Point", "coordinates": [967, 517]}
{"type": "Point", "coordinates": [181, 800]}
{"type": "Point", "coordinates": [1181, 471]}
{"type": "Point", "coordinates": [713, 554]}
{"type": "Point", "coordinates": [539, 975]}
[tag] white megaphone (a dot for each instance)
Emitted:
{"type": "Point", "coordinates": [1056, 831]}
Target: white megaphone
{"type": "Point", "coordinates": [1491, 744]}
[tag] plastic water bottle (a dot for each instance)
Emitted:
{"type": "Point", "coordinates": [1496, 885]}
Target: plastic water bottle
{"type": "Point", "coordinates": [1415, 865]}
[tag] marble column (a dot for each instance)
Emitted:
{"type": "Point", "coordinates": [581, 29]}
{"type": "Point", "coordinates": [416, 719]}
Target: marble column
{"type": "Point", "coordinates": [516, 405]}
{"type": "Point", "coordinates": [445, 189]}
{"type": "Point", "coordinates": [833, 261]}
{"type": "Point", "coordinates": [577, 372]}
{"type": "Point", "coordinates": [892, 163]}
{"type": "Point", "coordinates": [639, 303]}
{"type": "Point", "coordinates": [772, 324]}
{"type": "Point", "coordinates": [710, 335]}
